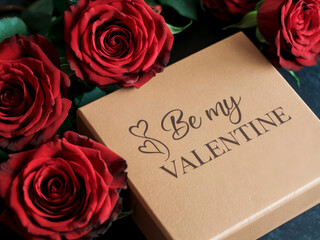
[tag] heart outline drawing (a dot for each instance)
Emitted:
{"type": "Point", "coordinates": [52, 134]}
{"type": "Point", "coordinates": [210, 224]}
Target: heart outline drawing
{"type": "Point", "coordinates": [149, 147]}
{"type": "Point", "coordinates": [141, 127]}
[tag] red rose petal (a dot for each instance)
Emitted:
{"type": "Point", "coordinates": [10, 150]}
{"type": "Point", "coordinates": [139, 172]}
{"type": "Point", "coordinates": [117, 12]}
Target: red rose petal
{"type": "Point", "coordinates": [49, 131]}
{"type": "Point", "coordinates": [64, 189]}
{"type": "Point", "coordinates": [100, 49]}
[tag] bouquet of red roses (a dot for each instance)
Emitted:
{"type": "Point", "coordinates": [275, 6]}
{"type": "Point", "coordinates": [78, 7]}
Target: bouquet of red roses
{"type": "Point", "coordinates": [67, 186]}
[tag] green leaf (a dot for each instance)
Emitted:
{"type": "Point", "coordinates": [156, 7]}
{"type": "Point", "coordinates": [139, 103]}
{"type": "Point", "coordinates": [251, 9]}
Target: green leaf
{"type": "Point", "coordinates": [111, 89]}
{"type": "Point", "coordinates": [61, 5]}
{"type": "Point", "coordinates": [126, 214]}
{"type": "Point", "coordinates": [186, 8]}
{"type": "Point", "coordinates": [258, 4]}
{"type": "Point", "coordinates": [72, 2]}
{"type": "Point", "coordinates": [293, 74]}
{"type": "Point", "coordinates": [78, 86]}
{"type": "Point", "coordinates": [11, 26]}
{"type": "Point", "coordinates": [68, 125]}
{"type": "Point", "coordinates": [55, 34]}
{"type": "Point", "coordinates": [176, 30]}
{"type": "Point", "coordinates": [38, 16]}
{"type": "Point", "coordinates": [3, 154]}
{"type": "Point", "coordinates": [66, 69]}
{"type": "Point", "coordinates": [151, 2]}
{"type": "Point", "coordinates": [249, 20]}
{"type": "Point", "coordinates": [260, 36]}
{"type": "Point", "coordinates": [203, 8]}
{"type": "Point", "coordinates": [56, 29]}
{"type": "Point", "coordinates": [63, 60]}
{"type": "Point", "coordinates": [89, 97]}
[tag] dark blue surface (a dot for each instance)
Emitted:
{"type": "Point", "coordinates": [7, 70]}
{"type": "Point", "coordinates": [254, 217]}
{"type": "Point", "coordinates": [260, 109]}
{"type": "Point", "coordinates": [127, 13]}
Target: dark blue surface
{"type": "Point", "coordinates": [307, 225]}
{"type": "Point", "coordinates": [304, 227]}
{"type": "Point", "coordinates": [309, 90]}
{"type": "Point", "coordinates": [10, 2]}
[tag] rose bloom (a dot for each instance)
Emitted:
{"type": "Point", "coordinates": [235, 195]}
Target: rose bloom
{"type": "Point", "coordinates": [32, 87]}
{"type": "Point", "coordinates": [116, 42]}
{"type": "Point", "coordinates": [68, 188]}
{"type": "Point", "coordinates": [228, 10]}
{"type": "Point", "coordinates": [293, 30]}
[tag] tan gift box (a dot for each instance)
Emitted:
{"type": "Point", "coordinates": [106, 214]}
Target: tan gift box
{"type": "Point", "coordinates": [218, 145]}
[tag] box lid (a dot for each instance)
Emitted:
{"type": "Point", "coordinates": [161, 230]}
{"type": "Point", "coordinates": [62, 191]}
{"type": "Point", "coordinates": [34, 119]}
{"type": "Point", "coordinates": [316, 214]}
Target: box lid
{"type": "Point", "coordinates": [218, 145]}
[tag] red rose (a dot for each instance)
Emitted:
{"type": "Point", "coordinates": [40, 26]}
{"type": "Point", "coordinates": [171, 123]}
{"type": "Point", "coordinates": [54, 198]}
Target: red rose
{"type": "Point", "coordinates": [66, 189]}
{"type": "Point", "coordinates": [227, 10]}
{"type": "Point", "coordinates": [31, 106]}
{"type": "Point", "coordinates": [293, 30]}
{"type": "Point", "coordinates": [116, 42]}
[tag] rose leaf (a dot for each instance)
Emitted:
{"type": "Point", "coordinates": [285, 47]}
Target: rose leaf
{"type": "Point", "coordinates": [68, 125]}
{"type": "Point", "coordinates": [3, 155]}
{"type": "Point", "coordinates": [176, 30]}
{"type": "Point", "coordinates": [55, 32]}
{"type": "Point", "coordinates": [203, 8]}
{"type": "Point", "coordinates": [111, 89]}
{"type": "Point", "coordinates": [61, 5]}
{"type": "Point", "coordinates": [293, 74]}
{"type": "Point", "coordinates": [66, 69]}
{"type": "Point", "coordinates": [260, 36]}
{"type": "Point", "coordinates": [72, 2]}
{"type": "Point", "coordinates": [249, 20]}
{"type": "Point", "coordinates": [89, 97]}
{"type": "Point", "coordinates": [186, 8]}
{"type": "Point", "coordinates": [151, 2]}
{"type": "Point", "coordinates": [38, 16]}
{"type": "Point", "coordinates": [258, 4]}
{"type": "Point", "coordinates": [126, 214]}
{"type": "Point", "coordinates": [11, 26]}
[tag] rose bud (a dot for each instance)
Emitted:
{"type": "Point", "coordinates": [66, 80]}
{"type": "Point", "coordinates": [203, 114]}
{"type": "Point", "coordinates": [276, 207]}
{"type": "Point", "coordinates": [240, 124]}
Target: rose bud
{"type": "Point", "coordinates": [32, 90]}
{"type": "Point", "coordinates": [229, 10]}
{"type": "Point", "coordinates": [120, 42]}
{"type": "Point", "coordinates": [68, 188]}
{"type": "Point", "coordinates": [293, 30]}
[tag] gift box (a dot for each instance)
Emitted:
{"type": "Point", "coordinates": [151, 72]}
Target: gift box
{"type": "Point", "coordinates": [218, 146]}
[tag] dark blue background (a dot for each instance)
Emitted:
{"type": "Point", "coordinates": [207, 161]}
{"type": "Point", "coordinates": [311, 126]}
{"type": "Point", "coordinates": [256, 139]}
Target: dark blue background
{"type": "Point", "coordinates": [11, 2]}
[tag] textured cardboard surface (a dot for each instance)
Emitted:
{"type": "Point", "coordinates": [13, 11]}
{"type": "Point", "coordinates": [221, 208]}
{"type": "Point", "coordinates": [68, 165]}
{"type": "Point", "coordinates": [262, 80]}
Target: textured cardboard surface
{"type": "Point", "coordinates": [195, 184]}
